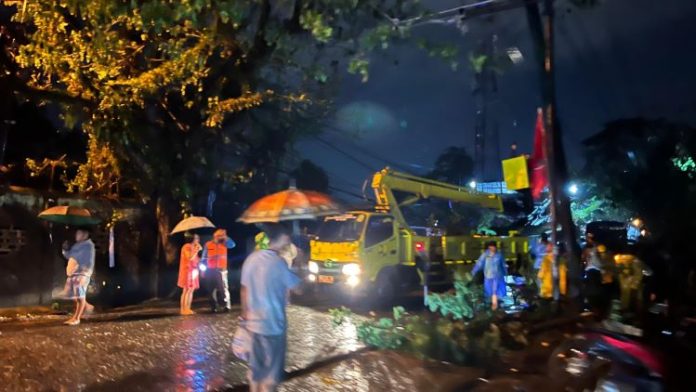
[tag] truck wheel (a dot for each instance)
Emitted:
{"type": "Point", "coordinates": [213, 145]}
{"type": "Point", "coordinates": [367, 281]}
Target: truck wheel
{"type": "Point", "coordinates": [408, 277]}
{"type": "Point", "coordinates": [385, 287]}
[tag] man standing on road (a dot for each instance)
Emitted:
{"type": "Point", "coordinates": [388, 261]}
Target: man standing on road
{"type": "Point", "coordinates": [215, 258]}
{"type": "Point", "coordinates": [266, 281]}
{"type": "Point", "coordinates": [80, 267]}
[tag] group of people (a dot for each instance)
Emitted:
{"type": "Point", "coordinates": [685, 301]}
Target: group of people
{"type": "Point", "coordinates": [265, 283]}
{"type": "Point", "coordinates": [214, 257]}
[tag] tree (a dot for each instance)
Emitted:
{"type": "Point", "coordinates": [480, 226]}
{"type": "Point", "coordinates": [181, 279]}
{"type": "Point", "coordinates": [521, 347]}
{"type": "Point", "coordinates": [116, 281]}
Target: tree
{"type": "Point", "coordinates": [311, 177]}
{"type": "Point", "coordinates": [454, 166]}
{"type": "Point", "coordinates": [591, 204]}
{"type": "Point", "coordinates": [645, 165]}
{"type": "Point", "coordinates": [197, 94]}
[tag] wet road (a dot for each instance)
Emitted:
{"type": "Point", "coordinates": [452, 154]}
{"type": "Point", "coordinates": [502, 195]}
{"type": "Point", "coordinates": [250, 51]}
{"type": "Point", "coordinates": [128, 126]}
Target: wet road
{"type": "Point", "coordinates": [154, 349]}
{"type": "Point", "coordinates": [150, 351]}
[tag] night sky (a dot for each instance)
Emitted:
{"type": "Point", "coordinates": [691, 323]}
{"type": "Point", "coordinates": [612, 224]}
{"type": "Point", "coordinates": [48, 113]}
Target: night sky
{"type": "Point", "coordinates": [623, 58]}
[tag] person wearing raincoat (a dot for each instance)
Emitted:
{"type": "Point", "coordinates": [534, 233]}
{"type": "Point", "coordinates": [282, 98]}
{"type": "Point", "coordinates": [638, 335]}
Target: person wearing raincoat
{"type": "Point", "coordinates": [215, 258]}
{"type": "Point", "coordinates": [188, 273]}
{"type": "Point", "coordinates": [548, 273]}
{"type": "Point", "coordinates": [494, 269]}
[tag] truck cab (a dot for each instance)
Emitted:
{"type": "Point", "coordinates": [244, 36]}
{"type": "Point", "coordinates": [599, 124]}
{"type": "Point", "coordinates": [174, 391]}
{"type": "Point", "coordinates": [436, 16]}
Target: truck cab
{"type": "Point", "coordinates": [353, 248]}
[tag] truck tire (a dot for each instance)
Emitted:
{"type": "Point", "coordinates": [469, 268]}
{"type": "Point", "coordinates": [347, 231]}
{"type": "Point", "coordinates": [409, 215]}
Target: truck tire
{"type": "Point", "coordinates": [385, 286]}
{"type": "Point", "coordinates": [407, 278]}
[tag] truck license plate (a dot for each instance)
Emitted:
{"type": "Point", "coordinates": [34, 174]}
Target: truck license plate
{"type": "Point", "coordinates": [326, 279]}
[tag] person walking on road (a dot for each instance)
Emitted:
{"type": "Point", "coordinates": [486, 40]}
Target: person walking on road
{"type": "Point", "coordinates": [494, 270]}
{"type": "Point", "coordinates": [79, 270]}
{"type": "Point", "coordinates": [215, 258]}
{"type": "Point", "coordinates": [188, 273]}
{"type": "Point", "coordinates": [266, 282]}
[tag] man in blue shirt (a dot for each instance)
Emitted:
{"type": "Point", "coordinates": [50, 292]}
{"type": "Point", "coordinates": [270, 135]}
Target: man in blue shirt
{"type": "Point", "coordinates": [266, 282]}
{"type": "Point", "coordinates": [79, 271]}
{"type": "Point", "coordinates": [494, 269]}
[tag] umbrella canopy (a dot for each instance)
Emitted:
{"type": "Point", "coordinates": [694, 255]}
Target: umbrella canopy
{"type": "Point", "coordinates": [291, 204]}
{"type": "Point", "coordinates": [69, 215]}
{"type": "Point", "coordinates": [193, 223]}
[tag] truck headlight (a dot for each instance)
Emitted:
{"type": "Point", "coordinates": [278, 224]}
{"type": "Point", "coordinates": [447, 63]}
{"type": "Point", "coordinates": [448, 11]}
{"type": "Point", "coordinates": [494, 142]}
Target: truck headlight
{"type": "Point", "coordinates": [353, 281]}
{"type": "Point", "coordinates": [351, 269]}
{"type": "Point", "coordinates": [313, 267]}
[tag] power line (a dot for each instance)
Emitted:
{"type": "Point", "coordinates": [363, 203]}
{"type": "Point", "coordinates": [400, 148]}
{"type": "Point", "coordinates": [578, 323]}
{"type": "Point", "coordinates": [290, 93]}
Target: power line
{"type": "Point", "coordinates": [331, 187]}
{"type": "Point", "coordinates": [364, 151]}
{"type": "Point", "coordinates": [347, 155]}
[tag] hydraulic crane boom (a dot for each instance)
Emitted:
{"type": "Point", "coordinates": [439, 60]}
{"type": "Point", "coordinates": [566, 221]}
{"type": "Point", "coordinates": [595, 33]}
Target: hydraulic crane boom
{"type": "Point", "coordinates": [386, 181]}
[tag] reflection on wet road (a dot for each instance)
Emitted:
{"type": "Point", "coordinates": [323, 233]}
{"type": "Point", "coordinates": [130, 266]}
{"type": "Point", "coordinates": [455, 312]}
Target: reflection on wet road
{"type": "Point", "coordinates": [154, 354]}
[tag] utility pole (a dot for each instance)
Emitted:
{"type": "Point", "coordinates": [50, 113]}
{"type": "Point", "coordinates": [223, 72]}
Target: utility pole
{"type": "Point", "coordinates": [484, 91]}
{"type": "Point", "coordinates": [543, 36]}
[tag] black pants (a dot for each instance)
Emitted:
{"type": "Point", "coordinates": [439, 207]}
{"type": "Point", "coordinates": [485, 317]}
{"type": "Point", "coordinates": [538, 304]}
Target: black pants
{"type": "Point", "coordinates": [218, 288]}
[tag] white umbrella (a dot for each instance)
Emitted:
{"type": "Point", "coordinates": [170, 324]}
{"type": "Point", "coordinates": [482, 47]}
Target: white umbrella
{"type": "Point", "coordinates": [193, 223]}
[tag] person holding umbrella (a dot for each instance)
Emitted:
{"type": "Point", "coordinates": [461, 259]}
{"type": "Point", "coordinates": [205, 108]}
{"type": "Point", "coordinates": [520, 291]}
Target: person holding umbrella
{"type": "Point", "coordinates": [80, 267]}
{"type": "Point", "coordinates": [188, 272]}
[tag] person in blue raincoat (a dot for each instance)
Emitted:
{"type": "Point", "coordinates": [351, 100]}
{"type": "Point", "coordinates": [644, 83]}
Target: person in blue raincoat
{"type": "Point", "coordinates": [493, 265]}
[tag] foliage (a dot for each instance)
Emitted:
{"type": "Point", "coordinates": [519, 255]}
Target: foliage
{"type": "Point", "coordinates": [309, 176]}
{"type": "Point", "coordinates": [195, 93]}
{"type": "Point", "coordinates": [386, 332]}
{"type": "Point", "coordinates": [464, 303]}
{"type": "Point", "coordinates": [458, 331]}
{"type": "Point", "coordinates": [37, 168]}
{"type": "Point", "coordinates": [630, 157]}
{"type": "Point", "coordinates": [633, 162]}
{"type": "Point", "coordinates": [100, 174]}
{"type": "Point", "coordinates": [591, 204]}
{"type": "Point", "coordinates": [454, 166]}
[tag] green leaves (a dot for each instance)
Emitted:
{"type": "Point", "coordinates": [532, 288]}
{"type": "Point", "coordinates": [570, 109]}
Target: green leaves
{"type": "Point", "coordinates": [360, 65]}
{"type": "Point", "coordinates": [463, 304]}
{"type": "Point", "coordinates": [314, 22]}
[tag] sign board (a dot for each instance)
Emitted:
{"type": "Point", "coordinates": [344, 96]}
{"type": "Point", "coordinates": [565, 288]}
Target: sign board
{"type": "Point", "coordinates": [515, 173]}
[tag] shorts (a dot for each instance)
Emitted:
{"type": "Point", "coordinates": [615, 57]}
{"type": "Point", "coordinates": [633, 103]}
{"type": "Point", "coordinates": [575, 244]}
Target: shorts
{"type": "Point", "coordinates": [267, 359]}
{"type": "Point", "coordinates": [76, 286]}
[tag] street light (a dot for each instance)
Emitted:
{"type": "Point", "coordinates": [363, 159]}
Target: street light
{"type": "Point", "coordinates": [472, 184]}
{"type": "Point", "coordinates": [573, 189]}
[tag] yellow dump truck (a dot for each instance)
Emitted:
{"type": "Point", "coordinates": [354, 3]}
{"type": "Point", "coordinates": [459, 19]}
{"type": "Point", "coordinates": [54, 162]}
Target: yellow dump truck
{"type": "Point", "coordinates": [378, 249]}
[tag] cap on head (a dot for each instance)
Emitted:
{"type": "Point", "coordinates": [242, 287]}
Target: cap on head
{"type": "Point", "coordinates": [220, 233]}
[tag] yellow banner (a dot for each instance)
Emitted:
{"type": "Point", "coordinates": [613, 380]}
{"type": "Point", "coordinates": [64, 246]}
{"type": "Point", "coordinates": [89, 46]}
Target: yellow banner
{"type": "Point", "coordinates": [515, 173]}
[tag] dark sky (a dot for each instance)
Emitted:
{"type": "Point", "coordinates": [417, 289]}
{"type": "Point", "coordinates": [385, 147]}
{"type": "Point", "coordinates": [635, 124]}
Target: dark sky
{"type": "Point", "coordinates": [623, 58]}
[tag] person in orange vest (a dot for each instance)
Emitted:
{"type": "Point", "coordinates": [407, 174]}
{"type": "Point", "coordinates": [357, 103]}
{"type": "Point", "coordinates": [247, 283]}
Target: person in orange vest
{"type": "Point", "coordinates": [215, 258]}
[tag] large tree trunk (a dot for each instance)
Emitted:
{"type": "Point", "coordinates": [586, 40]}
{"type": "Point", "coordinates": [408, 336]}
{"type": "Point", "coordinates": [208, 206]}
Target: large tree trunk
{"type": "Point", "coordinates": [166, 250]}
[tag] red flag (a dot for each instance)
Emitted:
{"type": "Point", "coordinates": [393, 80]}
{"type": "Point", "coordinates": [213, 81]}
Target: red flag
{"type": "Point", "coordinates": [540, 178]}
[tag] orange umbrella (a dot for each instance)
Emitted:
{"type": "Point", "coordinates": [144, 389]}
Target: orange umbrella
{"type": "Point", "coordinates": [291, 204]}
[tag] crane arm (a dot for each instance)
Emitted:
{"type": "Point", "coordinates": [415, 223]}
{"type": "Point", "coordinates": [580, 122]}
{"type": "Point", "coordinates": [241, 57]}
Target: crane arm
{"type": "Point", "coordinates": [386, 181]}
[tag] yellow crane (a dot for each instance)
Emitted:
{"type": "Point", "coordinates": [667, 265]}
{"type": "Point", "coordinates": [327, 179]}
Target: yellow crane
{"type": "Point", "coordinates": [378, 249]}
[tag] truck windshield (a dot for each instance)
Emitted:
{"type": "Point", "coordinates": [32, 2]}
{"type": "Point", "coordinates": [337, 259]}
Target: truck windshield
{"type": "Point", "coordinates": [341, 230]}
